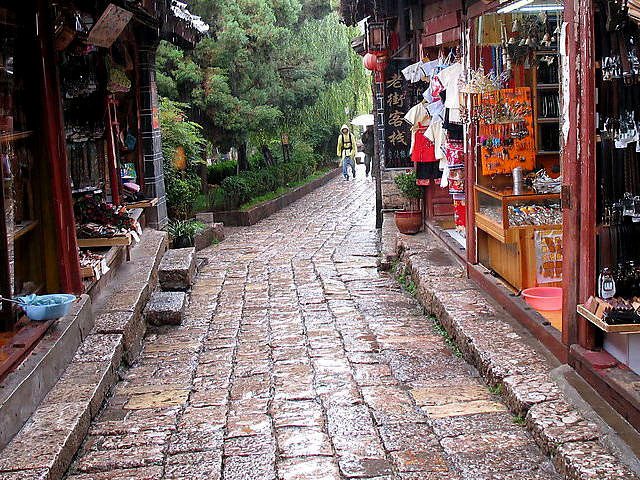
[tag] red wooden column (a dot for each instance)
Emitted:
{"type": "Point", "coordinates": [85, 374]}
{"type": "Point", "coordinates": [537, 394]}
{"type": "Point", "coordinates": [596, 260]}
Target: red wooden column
{"type": "Point", "coordinates": [586, 165]}
{"type": "Point", "coordinates": [571, 187]}
{"type": "Point", "coordinates": [470, 156]}
{"type": "Point", "coordinates": [55, 145]}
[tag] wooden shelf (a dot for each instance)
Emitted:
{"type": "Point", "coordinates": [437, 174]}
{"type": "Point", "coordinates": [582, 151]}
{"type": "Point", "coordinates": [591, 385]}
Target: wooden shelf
{"type": "Point", "coordinates": [542, 86]}
{"type": "Point", "coordinates": [11, 137]}
{"type": "Point", "coordinates": [548, 119]}
{"type": "Point", "coordinates": [23, 228]}
{"type": "Point", "coordinates": [545, 152]}
{"type": "Point", "coordinates": [151, 202]}
{"type": "Point", "coordinates": [123, 240]}
{"type": "Point", "coordinates": [625, 329]}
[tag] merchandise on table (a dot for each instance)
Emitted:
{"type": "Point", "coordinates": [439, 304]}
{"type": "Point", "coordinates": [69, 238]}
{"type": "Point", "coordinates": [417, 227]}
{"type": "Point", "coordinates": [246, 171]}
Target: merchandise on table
{"type": "Point", "coordinates": [543, 183]}
{"type": "Point", "coordinates": [615, 311]}
{"type": "Point", "coordinates": [531, 214]}
{"type": "Point", "coordinates": [97, 219]}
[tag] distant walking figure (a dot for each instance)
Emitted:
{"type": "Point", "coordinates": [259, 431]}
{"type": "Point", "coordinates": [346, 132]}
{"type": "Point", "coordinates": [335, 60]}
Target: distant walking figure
{"type": "Point", "coordinates": [347, 150]}
{"type": "Point", "coordinates": [368, 148]}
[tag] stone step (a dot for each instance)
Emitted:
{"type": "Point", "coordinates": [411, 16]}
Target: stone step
{"type": "Point", "coordinates": [59, 424]}
{"type": "Point", "coordinates": [121, 311]}
{"type": "Point", "coordinates": [166, 308]}
{"type": "Point", "coordinates": [178, 269]}
{"type": "Point", "coordinates": [213, 232]}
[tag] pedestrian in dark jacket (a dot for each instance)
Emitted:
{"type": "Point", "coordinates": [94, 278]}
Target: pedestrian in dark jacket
{"type": "Point", "coordinates": [367, 148]}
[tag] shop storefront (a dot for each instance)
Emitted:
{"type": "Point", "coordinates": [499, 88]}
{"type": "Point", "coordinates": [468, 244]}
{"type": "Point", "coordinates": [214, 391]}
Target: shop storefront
{"type": "Point", "coordinates": [524, 136]}
{"type": "Point", "coordinates": [513, 116]}
{"type": "Point", "coordinates": [79, 143]}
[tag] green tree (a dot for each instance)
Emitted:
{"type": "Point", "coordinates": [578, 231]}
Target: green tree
{"type": "Point", "coordinates": [180, 137]}
{"type": "Point", "coordinates": [265, 63]}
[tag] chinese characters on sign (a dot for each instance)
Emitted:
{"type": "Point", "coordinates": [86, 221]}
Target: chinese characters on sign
{"type": "Point", "coordinates": [396, 105]}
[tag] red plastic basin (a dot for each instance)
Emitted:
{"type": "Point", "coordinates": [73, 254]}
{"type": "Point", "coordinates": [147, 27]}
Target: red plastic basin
{"type": "Point", "coordinates": [545, 299]}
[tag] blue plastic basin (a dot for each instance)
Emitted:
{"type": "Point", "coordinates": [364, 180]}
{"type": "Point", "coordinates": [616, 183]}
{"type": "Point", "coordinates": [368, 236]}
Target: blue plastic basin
{"type": "Point", "coordinates": [40, 313]}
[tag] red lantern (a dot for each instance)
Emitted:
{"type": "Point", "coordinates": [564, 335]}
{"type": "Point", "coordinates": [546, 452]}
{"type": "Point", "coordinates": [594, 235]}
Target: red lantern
{"type": "Point", "coordinates": [373, 63]}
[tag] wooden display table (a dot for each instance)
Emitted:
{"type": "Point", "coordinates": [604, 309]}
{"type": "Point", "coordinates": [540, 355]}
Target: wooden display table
{"type": "Point", "coordinates": [509, 250]}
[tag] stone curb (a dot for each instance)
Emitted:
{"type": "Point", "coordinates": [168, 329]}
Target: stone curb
{"type": "Point", "coordinates": [47, 443]}
{"type": "Point", "coordinates": [488, 342]}
{"type": "Point", "coordinates": [238, 218]}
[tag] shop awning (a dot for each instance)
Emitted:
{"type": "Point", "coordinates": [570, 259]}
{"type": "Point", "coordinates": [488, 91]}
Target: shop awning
{"type": "Point", "coordinates": [181, 27]}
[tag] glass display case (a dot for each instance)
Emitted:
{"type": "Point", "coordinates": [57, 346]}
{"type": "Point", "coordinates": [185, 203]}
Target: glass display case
{"type": "Point", "coordinates": [501, 212]}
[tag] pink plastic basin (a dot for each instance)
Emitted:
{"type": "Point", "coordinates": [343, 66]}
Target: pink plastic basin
{"type": "Point", "coordinates": [545, 299]}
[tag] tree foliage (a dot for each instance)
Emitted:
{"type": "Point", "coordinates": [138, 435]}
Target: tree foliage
{"type": "Point", "coordinates": [269, 67]}
{"type": "Point", "coordinates": [178, 133]}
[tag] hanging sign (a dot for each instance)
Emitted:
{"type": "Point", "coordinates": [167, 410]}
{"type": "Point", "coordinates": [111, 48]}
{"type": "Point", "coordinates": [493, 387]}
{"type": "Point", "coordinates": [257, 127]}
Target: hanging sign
{"type": "Point", "coordinates": [548, 247]}
{"type": "Point", "coordinates": [109, 26]}
{"type": "Point", "coordinates": [396, 104]}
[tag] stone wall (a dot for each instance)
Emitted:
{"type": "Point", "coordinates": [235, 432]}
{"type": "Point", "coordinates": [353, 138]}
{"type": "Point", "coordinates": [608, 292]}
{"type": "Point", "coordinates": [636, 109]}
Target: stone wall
{"type": "Point", "coordinates": [391, 197]}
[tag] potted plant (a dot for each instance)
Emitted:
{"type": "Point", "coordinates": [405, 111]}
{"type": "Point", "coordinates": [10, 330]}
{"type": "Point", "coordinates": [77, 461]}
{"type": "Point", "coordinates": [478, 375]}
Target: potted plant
{"type": "Point", "coordinates": [183, 232]}
{"type": "Point", "coordinates": [409, 220]}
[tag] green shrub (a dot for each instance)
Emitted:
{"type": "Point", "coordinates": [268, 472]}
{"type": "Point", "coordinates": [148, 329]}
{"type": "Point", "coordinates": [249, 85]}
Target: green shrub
{"type": "Point", "coordinates": [183, 232]}
{"type": "Point", "coordinates": [406, 183]}
{"type": "Point", "coordinates": [219, 171]}
{"type": "Point", "coordinates": [242, 188]}
{"type": "Point", "coordinates": [182, 193]}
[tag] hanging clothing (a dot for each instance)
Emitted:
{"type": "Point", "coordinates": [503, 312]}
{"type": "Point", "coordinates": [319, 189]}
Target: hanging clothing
{"type": "Point", "coordinates": [346, 143]}
{"type": "Point", "coordinates": [416, 115]}
{"type": "Point", "coordinates": [438, 135]}
{"type": "Point", "coordinates": [427, 173]}
{"type": "Point", "coordinates": [449, 78]}
{"type": "Point", "coordinates": [414, 72]}
{"type": "Point", "coordinates": [423, 148]}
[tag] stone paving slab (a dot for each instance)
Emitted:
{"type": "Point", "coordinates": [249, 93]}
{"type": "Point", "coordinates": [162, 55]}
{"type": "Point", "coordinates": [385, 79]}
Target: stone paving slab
{"type": "Point", "coordinates": [47, 443]}
{"type": "Point", "coordinates": [520, 373]}
{"type": "Point", "coordinates": [298, 360]}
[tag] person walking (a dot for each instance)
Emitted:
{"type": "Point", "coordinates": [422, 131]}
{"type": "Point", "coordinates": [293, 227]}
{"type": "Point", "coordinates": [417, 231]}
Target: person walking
{"type": "Point", "coordinates": [347, 150]}
{"type": "Point", "coordinates": [367, 148]}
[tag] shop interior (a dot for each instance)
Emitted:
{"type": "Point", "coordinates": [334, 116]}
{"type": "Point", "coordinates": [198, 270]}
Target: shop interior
{"type": "Point", "coordinates": [22, 213]}
{"type": "Point", "coordinates": [514, 108]}
{"type": "Point", "coordinates": [99, 95]}
{"type": "Point", "coordinates": [617, 191]}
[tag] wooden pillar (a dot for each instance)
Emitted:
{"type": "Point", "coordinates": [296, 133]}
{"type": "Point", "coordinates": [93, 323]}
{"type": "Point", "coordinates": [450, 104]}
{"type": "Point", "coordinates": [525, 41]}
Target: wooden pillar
{"type": "Point", "coordinates": [585, 166]}
{"type": "Point", "coordinates": [571, 184]}
{"type": "Point", "coordinates": [469, 51]}
{"type": "Point", "coordinates": [55, 145]}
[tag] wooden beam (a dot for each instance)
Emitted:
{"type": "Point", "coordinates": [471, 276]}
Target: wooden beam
{"type": "Point", "coordinates": [449, 36]}
{"type": "Point", "coordinates": [442, 23]}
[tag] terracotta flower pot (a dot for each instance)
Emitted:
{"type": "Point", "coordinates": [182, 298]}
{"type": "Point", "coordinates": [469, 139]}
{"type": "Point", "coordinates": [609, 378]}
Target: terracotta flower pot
{"type": "Point", "coordinates": [408, 221]}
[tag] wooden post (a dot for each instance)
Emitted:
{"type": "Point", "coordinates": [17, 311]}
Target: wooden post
{"type": "Point", "coordinates": [55, 145]}
{"type": "Point", "coordinates": [571, 188]}
{"type": "Point", "coordinates": [585, 166]}
{"type": "Point", "coordinates": [470, 156]}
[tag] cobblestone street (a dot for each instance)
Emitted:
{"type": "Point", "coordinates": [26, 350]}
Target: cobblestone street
{"type": "Point", "coordinates": [298, 360]}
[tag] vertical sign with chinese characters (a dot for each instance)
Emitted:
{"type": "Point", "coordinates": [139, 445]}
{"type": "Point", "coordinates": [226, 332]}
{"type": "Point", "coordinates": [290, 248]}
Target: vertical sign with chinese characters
{"type": "Point", "coordinates": [396, 104]}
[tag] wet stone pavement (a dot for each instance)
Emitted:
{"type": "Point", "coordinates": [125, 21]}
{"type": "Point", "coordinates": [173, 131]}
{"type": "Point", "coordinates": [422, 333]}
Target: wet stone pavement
{"type": "Point", "coordinates": [298, 360]}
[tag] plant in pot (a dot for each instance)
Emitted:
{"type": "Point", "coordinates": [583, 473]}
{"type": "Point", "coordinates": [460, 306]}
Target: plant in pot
{"type": "Point", "coordinates": [183, 232]}
{"type": "Point", "coordinates": [409, 220]}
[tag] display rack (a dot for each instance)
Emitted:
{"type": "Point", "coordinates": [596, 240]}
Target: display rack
{"type": "Point", "coordinates": [541, 122]}
{"type": "Point", "coordinates": [625, 329]}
